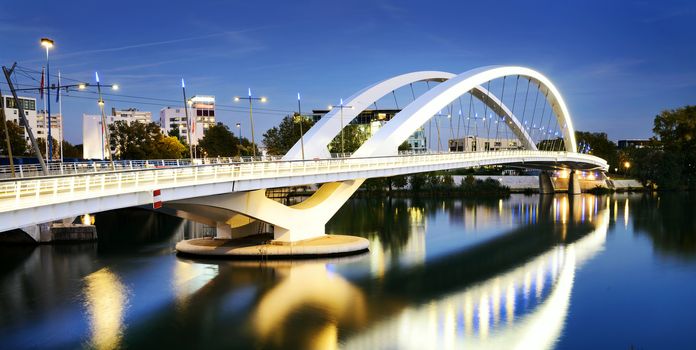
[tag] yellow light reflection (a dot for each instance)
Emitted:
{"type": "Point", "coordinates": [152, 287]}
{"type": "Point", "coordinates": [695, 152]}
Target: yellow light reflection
{"type": "Point", "coordinates": [484, 315]}
{"type": "Point", "coordinates": [510, 304]}
{"type": "Point", "coordinates": [105, 299]}
{"type": "Point", "coordinates": [626, 213]}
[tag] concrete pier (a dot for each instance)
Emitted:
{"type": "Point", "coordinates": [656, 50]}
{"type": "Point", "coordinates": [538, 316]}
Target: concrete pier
{"type": "Point", "coordinates": [260, 247]}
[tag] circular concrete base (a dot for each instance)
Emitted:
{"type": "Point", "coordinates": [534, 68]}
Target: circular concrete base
{"type": "Point", "coordinates": [260, 247]}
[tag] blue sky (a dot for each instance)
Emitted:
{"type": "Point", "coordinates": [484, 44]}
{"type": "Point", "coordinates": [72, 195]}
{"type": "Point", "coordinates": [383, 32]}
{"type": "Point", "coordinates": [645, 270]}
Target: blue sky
{"type": "Point", "coordinates": [617, 63]}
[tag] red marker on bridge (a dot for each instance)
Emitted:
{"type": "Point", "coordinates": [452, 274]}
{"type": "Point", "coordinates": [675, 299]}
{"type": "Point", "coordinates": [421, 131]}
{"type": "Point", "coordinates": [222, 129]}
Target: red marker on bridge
{"type": "Point", "coordinates": [156, 202]}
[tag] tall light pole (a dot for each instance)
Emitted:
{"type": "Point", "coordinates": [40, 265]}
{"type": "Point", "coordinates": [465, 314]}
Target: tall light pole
{"type": "Point", "coordinates": [106, 142]}
{"type": "Point", "coordinates": [299, 113]}
{"type": "Point", "coordinates": [48, 44]}
{"type": "Point", "coordinates": [342, 107]}
{"type": "Point", "coordinates": [251, 116]}
{"type": "Point", "coordinates": [239, 132]}
{"type": "Point", "coordinates": [188, 121]}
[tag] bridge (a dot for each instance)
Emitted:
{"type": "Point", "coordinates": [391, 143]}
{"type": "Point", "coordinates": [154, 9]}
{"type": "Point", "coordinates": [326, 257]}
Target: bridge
{"type": "Point", "coordinates": [231, 196]}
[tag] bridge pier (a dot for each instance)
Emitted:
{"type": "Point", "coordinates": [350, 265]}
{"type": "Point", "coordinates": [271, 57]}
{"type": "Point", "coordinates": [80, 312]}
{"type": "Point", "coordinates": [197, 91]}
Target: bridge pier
{"type": "Point", "coordinates": [545, 184]}
{"type": "Point", "coordinates": [298, 230]}
{"type": "Point", "coordinates": [573, 183]}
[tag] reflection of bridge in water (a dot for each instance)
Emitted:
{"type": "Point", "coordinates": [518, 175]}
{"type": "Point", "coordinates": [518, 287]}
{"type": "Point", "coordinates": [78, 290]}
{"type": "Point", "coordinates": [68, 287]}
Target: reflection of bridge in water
{"type": "Point", "coordinates": [499, 291]}
{"type": "Point", "coordinates": [512, 289]}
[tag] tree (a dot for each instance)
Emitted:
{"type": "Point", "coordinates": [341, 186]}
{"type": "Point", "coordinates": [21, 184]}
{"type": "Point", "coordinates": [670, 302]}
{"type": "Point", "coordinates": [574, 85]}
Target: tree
{"type": "Point", "coordinates": [279, 139]}
{"type": "Point", "coordinates": [17, 142]}
{"type": "Point", "coordinates": [135, 140]}
{"type": "Point", "coordinates": [598, 144]}
{"type": "Point", "coordinates": [676, 130]}
{"type": "Point", "coordinates": [171, 148]}
{"type": "Point", "coordinates": [354, 136]}
{"type": "Point", "coordinates": [71, 151]}
{"type": "Point", "coordinates": [41, 142]}
{"type": "Point", "coordinates": [219, 141]}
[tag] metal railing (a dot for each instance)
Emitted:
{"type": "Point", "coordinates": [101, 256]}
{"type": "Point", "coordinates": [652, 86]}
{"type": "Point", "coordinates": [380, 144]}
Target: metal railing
{"type": "Point", "coordinates": [29, 192]}
{"type": "Point", "coordinates": [67, 168]}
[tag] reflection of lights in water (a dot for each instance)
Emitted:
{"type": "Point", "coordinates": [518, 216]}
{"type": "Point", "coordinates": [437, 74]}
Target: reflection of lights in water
{"type": "Point", "coordinates": [190, 277]}
{"type": "Point", "coordinates": [483, 316]}
{"type": "Point", "coordinates": [535, 326]}
{"type": "Point", "coordinates": [510, 304]}
{"type": "Point", "coordinates": [326, 338]}
{"type": "Point", "coordinates": [105, 299]}
{"type": "Point", "coordinates": [564, 209]}
{"type": "Point", "coordinates": [377, 260]}
{"type": "Point", "coordinates": [626, 213]}
{"type": "Point", "coordinates": [496, 303]}
{"type": "Point", "coordinates": [616, 209]}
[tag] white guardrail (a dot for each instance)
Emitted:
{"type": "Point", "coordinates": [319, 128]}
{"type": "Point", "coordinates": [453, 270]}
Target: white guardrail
{"type": "Point", "coordinates": [142, 177]}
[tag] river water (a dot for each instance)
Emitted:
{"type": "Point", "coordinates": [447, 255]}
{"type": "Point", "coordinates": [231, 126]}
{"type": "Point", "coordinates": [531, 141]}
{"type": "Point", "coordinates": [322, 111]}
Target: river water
{"type": "Point", "coordinates": [528, 272]}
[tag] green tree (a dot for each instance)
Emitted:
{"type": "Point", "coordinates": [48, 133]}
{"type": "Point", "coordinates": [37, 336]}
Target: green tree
{"type": "Point", "coordinates": [676, 130]}
{"type": "Point", "coordinates": [600, 146]}
{"type": "Point", "coordinates": [279, 139]}
{"type": "Point", "coordinates": [71, 151]}
{"type": "Point", "coordinates": [171, 148]}
{"type": "Point", "coordinates": [135, 140]}
{"type": "Point", "coordinates": [354, 136]}
{"type": "Point", "coordinates": [17, 142]}
{"type": "Point", "coordinates": [219, 141]}
{"type": "Point", "coordinates": [41, 142]}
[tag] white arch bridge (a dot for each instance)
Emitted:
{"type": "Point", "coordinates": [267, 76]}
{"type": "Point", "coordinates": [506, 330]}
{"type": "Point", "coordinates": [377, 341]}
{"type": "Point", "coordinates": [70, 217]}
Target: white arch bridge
{"type": "Point", "coordinates": [232, 195]}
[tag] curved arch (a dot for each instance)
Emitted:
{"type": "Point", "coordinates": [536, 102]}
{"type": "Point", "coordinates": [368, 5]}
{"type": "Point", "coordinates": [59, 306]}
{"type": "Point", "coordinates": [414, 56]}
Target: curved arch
{"type": "Point", "coordinates": [390, 136]}
{"type": "Point", "coordinates": [317, 138]}
{"type": "Point", "coordinates": [320, 135]}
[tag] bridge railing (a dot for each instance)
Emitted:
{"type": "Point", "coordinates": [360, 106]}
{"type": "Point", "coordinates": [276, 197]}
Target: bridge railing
{"type": "Point", "coordinates": [33, 191]}
{"type": "Point", "coordinates": [68, 168]}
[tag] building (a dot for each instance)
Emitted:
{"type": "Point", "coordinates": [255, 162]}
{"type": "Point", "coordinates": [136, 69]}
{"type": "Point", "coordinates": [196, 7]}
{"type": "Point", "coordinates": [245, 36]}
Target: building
{"type": "Point", "coordinates": [130, 115]}
{"type": "Point", "coordinates": [12, 112]}
{"type": "Point", "coordinates": [634, 143]}
{"type": "Point", "coordinates": [36, 119]}
{"type": "Point", "coordinates": [371, 120]}
{"type": "Point", "coordinates": [93, 145]}
{"type": "Point", "coordinates": [475, 143]}
{"type": "Point", "coordinates": [174, 118]}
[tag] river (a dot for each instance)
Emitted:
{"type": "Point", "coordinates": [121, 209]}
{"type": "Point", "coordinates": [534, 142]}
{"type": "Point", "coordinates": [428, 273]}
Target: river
{"type": "Point", "coordinates": [527, 272]}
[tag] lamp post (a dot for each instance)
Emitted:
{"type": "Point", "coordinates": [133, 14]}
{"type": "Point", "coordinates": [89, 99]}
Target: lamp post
{"type": "Point", "coordinates": [299, 114]}
{"type": "Point", "coordinates": [106, 142]}
{"type": "Point", "coordinates": [190, 123]}
{"type": "Point", "coordinates": [627, 165]}
{"type": "Point", "coordinates": [239, 131]}
{"type": "Point", "coordinates": [48, 44]}
{"type": "Point", "coordinates": [342, 107]}
{"type": "Point", "coordinates": [251, 116]}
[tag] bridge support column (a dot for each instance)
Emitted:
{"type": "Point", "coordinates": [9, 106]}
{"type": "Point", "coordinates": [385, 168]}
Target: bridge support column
{"type": "Point", "coordinates": [300, 227]}
{"type": "Point", "coordinates": [545, 183]}
{"type": "Point", "coordinates": [573, 183]}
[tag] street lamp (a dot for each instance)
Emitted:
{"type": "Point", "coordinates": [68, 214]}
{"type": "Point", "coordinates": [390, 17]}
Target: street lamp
{"type": "Point", "coordinates": [299, 113]}
{"type": "Point", "coordinates": [627, 165]}
{"type": "Point", "coordinates": [239, 131]}
{"type": "Point", "coordinates": [48, 44]}
{"type": "Point", "coordinates": [342, 107]}
{"type": "Point", "coordinates": [251, 116]}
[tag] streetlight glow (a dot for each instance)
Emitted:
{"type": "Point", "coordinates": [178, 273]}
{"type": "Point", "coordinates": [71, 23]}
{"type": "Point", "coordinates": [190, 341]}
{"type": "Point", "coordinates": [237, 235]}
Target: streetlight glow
{"type": "Point", "coordinates": [627, 165]}
{"type": "Point", "coordinates": [236, 99]}
{"type": "Point", "coordinates": [115, 86]}
{"type": "Point", "coordinates": [263, 99]}
{"type": "Point", "coordinates": [82, 86]}
{"type": "Point", "coordinates": [47, 43]}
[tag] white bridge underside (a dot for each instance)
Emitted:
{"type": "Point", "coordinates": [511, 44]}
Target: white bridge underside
{"type": "Point", "coordinates": [232, 196]}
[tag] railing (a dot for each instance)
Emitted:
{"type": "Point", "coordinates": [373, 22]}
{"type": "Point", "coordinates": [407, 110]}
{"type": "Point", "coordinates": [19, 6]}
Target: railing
{"type": "Point", "coordinates": [28, 192]}
{"type": "Point", "coordinates": [67, 168]}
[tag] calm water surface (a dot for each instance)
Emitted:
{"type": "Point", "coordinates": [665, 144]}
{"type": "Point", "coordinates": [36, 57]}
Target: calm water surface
{"type": "Point", "coordinates": [527, 272]}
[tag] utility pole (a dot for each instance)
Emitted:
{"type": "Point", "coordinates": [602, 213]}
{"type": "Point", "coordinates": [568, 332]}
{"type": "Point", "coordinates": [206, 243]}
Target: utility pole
{"type": "Point", "coordinates": [23, 117]}
{"type": "Point", "coordinates": [7, 134]}
{"type": "Point", "coordinates": [191, 123]}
